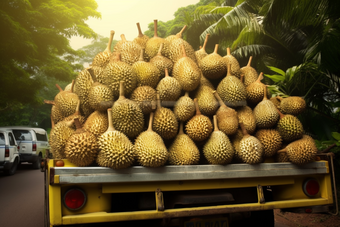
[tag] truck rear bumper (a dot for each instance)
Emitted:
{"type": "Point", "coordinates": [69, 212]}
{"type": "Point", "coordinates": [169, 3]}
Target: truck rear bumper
{"type": "Point", "coordinates": [29, 157]}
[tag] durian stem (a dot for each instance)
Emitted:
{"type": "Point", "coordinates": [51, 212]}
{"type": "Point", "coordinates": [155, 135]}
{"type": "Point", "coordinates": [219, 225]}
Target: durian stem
{"type": "Point", "coordinates": [118, 57]}
{"type": "Point", "coordinates": [140, 33]}
{"type": "Point", "coordinates": [141, 56]}
{"type": "Point", "coordinates": [183, 51]}
{"type": "Point", "coordinates": [160, 49]}
{"type": "Point", "coordinates": [244, 130]}
{"type": "Point", "coordinates": [155, 28]}
{"type": "Point", "coordinates": [181, 132]}
{"type": "Point", "coordinates": [216, 49]}
{"type": "Point", "coordinates": [282, 151]}
{"type": "Point", "coordinates": [242, 78]}
{"type": "Point", "coordinates": [215, 123]}
{"type": "Point", "coordinates": [249, 62]}
{"type": "Point", "coordinates": [90, 70]}
{"type": "Point", "coordinates": [179, 34]}
{"type": "Point", "coordinates": [51, 102]}
{"type": "Point", "coordinates": [108, 48]}
{"type": "Point", "coordinates": [59, 88]}
{"type": "Point", "coordinates": [265, 93]}
{"type": "Point", "coordinates": [260, 78]}
{"type": "Point", "coordinates": [281, 114]}
{"type": "Point", "coordinates": [70, 122]}
{"type": "Point", "coordinates": [77, 123]}
{"type": "Point", "coordinates": [121, 89]}
{"type": "Point", "coordinates": [77, 108]}
{"type": "Point", "coordinates": [205, 41]}
{"type": "Point", "coordinates": [198, 112]}
{"type": "Point", "coordinates": [150, 122]}
{"type": "Point", "coordinates": [228, 51]}
{"type": "Point", "coordinates": [220, 101]}
{"type": "Point", "coordinates": [122, 36]}
{"type": "Point", "coordinates": [52, 122]}
{"type": "Point", "coordinates": [72, 86]}
{"type": "Point", "coordinates": [186, 94]}
{"type": "Point", "coordinates": [229, 70]}
{"type": "Point", "coordinates": [158, 101]}
{"type": "Point", "coordinates": [109, 115]}
{"type": "Point", "coordinates": [166, 72]}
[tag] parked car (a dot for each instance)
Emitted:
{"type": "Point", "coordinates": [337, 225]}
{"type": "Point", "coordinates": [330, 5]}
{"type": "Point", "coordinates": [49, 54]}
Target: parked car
{"type": "Point", "coordinates": [33, 143]}
{"type": "Point", "coordinates": [9, 154]}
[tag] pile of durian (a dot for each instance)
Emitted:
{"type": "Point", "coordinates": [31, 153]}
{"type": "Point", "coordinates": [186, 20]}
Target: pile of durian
{"type": "Point", "coordinates": [156, 101]}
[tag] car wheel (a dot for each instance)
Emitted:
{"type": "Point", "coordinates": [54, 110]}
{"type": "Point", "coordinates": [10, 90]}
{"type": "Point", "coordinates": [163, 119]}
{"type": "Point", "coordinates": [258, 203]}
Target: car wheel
{"type": "Point", "coordinates": [14, 167]}
{"type": "Point", "coordinates": [37, 164]}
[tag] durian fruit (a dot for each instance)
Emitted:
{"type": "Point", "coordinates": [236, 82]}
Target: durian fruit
{"type": "Point", "coordinates": [301, 151]}
{"type": "Point", "coordinates": [82, 86]}
{"type": "Point", "coordinates": [56, 115]}
{"type": "Point", "coordinates": [141, 39]}
{"type": "Point", "coordinates": [169, 39]}
{"type": "Point", "coordinates": [293, 105]}
{"type": "Point", "coordinates": [59, 135]}
{"type": "Point", "coordinates": [96, 123]}
{"type": "Point", "coordinates": [226, 117]}
{"type": "Point", "coordinates": [250, 74]}
{"type": "Point", "coordinates": [213, 66]}
{"type": "Point", "coordinates": [146, 72]}
{"type": "Point", "coordinates": [115, 149]}
{"type": "Point", "coordinates": [271, 141]}
{"type": "Point", "coordinates": [66, 101]}
{"type": "Point", "coordinates": [169, 88]}
{"type": "Point", "coordinates": [265, 113]}
{"type": "Point", "coordinates": [276, 101]}
{"type": "Point", "coordinates": [206, 100]}
{"type": "Point", "coordinates": [184, 108]}
{"type": "Point", "coordinates": [150, 149]}
{"type": "Point", "coordinates": [68, 87]}
{"type": "Point", "coordinates": [246, 116]}
{"type": "Point", "coordinates": [164, 122]}
{"type": "Point", "coordinates": [206, 82]}
{"type": "Point", "coordinates": [162, 62]}
{"type": "Point", "coordinates": [153, 44]}
{"type": "Point", "coordinates": [201, 53]}
{"type": "Point", "coordinates": [103, 58]}
{"type": "Point", "coordinates": [199, 127]}
{"type": "Point", "coordinates": [255, 91]}
{"type": "Point", "coordinates": [235, 141]}
{"type": "Point", "coordinates": [183, 151]}
{"type": "Point", "coordinates": [99, 72]}
{"type": "Point", "coordinates": [235, 66]}
{"type": "Point", "coordinates": [251, 149]}
{"type": "Point", "coordinates": [289, 127]}
{"type": "Point", "coordinates": [76, 114]}
{"type": "Point", "coordinates": [128, 50]}
{"type": "Point", "coordinates": [187, 72]}
{"type": "Point", "coordinates": [145, 97]}
{"type": "Point", "coordinates": [218, 149]}
{"type": "Point", "coordinates": [100, 96]}
{"type": "Point", "coordinates": [232, 91]}
{"type": "Point", "coordinates": [117, 71]}
{"type": "Point", "coordinates": [81, 148]}
{"type": "Point", "coordinates": [127, 116]}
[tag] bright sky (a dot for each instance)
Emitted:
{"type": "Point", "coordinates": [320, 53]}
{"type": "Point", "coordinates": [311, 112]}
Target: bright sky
{"type": "Point", "coordinates": [122, 16]}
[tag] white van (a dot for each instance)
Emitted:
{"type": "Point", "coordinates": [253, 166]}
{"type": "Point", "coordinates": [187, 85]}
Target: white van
{"type": "Point", "coordinates": [9, 154]}
{"type": "Point", "coordinates": [33, 143]}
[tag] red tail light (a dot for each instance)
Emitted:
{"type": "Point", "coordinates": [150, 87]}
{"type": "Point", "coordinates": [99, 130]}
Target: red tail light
{"type": "Point", "coordinates": [34, 146]}
{"type": "Point", "coordinates": [6, 151]}
{"type": "Point", "coordinates": [311, 187]}
{"type": "Point", "coordinates": [74, 199]}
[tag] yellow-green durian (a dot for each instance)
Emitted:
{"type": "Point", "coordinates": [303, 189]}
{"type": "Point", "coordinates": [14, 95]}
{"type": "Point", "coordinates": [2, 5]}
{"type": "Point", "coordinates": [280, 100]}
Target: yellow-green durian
{"type": "Point", "coordinates": [213, 66]}
{"type": "Point", "coordinates": [235, 66]}
{"type": "Point", "coordinates": [271, 141]}
{"type": "Point", "coordinates": [102, 58]}
{"type": "Point", "coordinates": [184, 108]}
{"type": "Point", "coordinates": [168, 88]}
{"type": "Point", "coordinates": [145, 97]}
{"type": "Point", "coordinates": [250, 74]}
{"type": "Point", "coordinates": [289, 127]}
{"type": "Point", "coordinates": [141, 39]}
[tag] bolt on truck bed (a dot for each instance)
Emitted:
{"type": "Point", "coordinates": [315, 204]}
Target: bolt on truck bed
{"type": "Point", "coordinates": [181, 192]}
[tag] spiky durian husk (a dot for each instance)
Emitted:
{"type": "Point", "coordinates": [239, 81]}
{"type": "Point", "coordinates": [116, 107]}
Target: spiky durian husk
{"type": "Point", "coordinates": [66, 102]}
{"type": "Point", "coordinates": [276, 101]}
{"type": "Point", "coordinates": [68, 87]}
{"type": "Point", "coordinates": [250, 75]}
{"type": "Point", "coordinates": [141, 40]}
{"type": "Point", "coordinates": [144, 96]}
{"type": "Point", "coordinates": [175, 50]}
{"type": "Point", "coordinates": [117, 71]}
{"type": "Point", "coordinates": [232, 91]}
{"type": "Point", "coordinates": [266, 115]}
{"type": "Point", "coordinates": [290, 128]}
{"type": "Point", "coordinates": [81, 148]}
{"type": "Point", "coordinates": [246, 116]}
{"type": "Point", "coordinates": [293, 105]}
{"type": "Point", "coordinates": [207, 102]}
{"type": "Point", "coordinates": [99, 94]}
{"type": "Point", "coordinates": [218, 149]}
{"type": "Point", "coordinates": [213, 66]}
{"type": "Point", "coordinates": [255, 92]}
{"type": "Point", "coordinates": [152, 47]}
{"type": "Point", "coordinates": [150, 149]}
{"type": "Point", "coordinates": [82, 86]}
{"type": "Point", "coordinates": [187, 73]}
{"type": "Point", "coordinates": [184, 108]}
{"type": "Point", "coordinates": [101, 59]}
{"type": "Point", "coordinates": [199, 128]}
{"type": "Point", "coordinates": [302, 151]}
{"type": "Point", "coordinates": [235, 66]}
{"type": "Point", "coordinates": [251, 150]}
{"type": "Point", "coordinates": [271, 141]}
{"type": "Point", "coordinates": [115, 150]}
{"type": "Point", "coordinates": [56, 114]}
{"type": "Point", "coordinates": [227, 120]}
{"type": "Point", "coordinates": [147, 74]}
{"type": "Point", "coordinates": [58, 138]}
{"type": "Point", "coordinates": [128, 118]}
{"type": "Point", "coordinates": [96, 123]}
{"type": "Point", "coordinates": [98, 73]}
{"type": "Point", "coordinates": [129, 51]}
{"type": "Point", "coordinates": [169, 89]}
{"type": "Point", "coordinates": [183, 151]}
{"type": "Point", "coordinates": [235, 141]}
{"type": "Point", "coordinates": [205, 82]}
{"type": "Point", "coordinates": [165, 123]}
{"type": "Point", "coordinates": [200, 54]}
{"type": "Point", "coordinates": [281, 157]}
{"type": "Point", "coordinates": [162, 63]}
{"type": "Point", "coordinates": [80, 117]}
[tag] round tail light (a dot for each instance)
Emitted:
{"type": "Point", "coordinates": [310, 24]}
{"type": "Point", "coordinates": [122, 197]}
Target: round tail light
{"type": "Point", "coordinates": [311, 187]}
{"type": "Point", "coordinates": [74, 199]}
